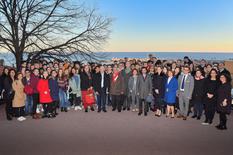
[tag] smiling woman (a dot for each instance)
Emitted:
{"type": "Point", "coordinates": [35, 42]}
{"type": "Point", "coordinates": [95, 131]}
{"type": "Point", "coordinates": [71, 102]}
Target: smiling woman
{"type": "Point", "coordinates": [169, 25]}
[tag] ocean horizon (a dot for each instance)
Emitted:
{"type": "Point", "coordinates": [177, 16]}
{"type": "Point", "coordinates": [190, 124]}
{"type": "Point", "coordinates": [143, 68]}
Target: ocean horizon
{"type": "Point", "coordinates": [213, 56]}
{"type": "Point", "coordinates": [173, 55]}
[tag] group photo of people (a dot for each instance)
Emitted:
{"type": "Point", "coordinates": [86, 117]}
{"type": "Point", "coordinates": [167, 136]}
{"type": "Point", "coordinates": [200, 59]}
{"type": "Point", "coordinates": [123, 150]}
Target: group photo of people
{"type": "Point", "coordinates": [179, 89]}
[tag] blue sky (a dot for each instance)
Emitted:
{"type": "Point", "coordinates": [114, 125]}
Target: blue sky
{"type": "Point", "coordinates": [169, 25]}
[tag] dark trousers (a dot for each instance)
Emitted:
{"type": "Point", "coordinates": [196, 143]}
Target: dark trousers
{"type": "Point", "coordinates": [146, 106]}
{"type": "Point", "coordinates": [19, 111]}
{"type": "Point", "coordinates": [101, 100]}
{"type": "Point", "coordinates": [35, 98]}
{"type": "Point", "coordinates": [210, 109]}
{"type": "Point", "coordinates": [126, 101]}
{"type": "Point", "coordinates": [55, 106]}
{"type": "Point", "coordinates": [198, 108]}
{"type": "Point", "coordinates": [8, 108]}
{"type": "Point", "coordinates": [48, 108]}
{"type": "Point", "coordinates": [223, 119]}
{"type": "Point", "coordinates": [116, 102]}
{"type": "Point", "coordinates": [76, 101]}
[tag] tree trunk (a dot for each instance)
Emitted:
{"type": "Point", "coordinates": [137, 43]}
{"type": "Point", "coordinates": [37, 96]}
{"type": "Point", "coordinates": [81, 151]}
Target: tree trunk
{"type": "Point", "coordinates": [18, 59]}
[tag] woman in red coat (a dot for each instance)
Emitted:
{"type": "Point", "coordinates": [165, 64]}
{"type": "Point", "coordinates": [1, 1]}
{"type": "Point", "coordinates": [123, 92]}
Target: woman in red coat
{"type": "Point", "coordinates": [44, 93]}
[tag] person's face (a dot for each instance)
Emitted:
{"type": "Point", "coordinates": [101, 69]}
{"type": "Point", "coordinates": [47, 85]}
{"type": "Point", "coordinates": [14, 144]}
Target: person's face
{"type": "Point", "coordinates": [102, 69]}
{"type": "Point", "coordinates": [208, 68]}
{"type": "Point", "coordinates": [177, 70]}
{"type": "Point", "coordinates": [73, 71]}
{"type": "Point", "coordinates": [198, 74]}
{"type": "Point", "coordinates": [37, 65]}
{"type": "Point", "coordinates": [144, 71]}
{"type": "Point", "coordinates": [159, 69]}
{"type": "Point", "coordinates": [86, 69]}
{"type": "Point", "coordinates": [12, 73]}
{"type": "Point", "coordinates": [221, 66]}
{"type": "Point", "coordinates": [169, 74]}
{"type": "Point", "coordinates": [6, 71]}
{"type": "Point", "coordinates": [135, 72]}
{"type": "Point", "coordinates": [97, 69]}
{"type": "Point", "coordinates": [121, 66]}
{"type": "Point", "coordinates": [223, 79]}
{"type": "Point", "coordinates": [109, 69]}
{"type": "Point", "coordinates": [45, 74]}
{"type": "Point", "coordinates": [36, 72]}
{"type": "Point", "coordinates": [165, 70]}
{"type": "Point", "coordinates": [128, 64]}
{"type": "Point", "coordinates": [186, 70]}
{"type": "Point", "coordinates": [213, 74]}
{"type": "Point", "coordinates": [54, 74]}
{"type": "Point", "coordinates": [28, 74]}
{"type": "Point", "coordinates": [20, 77]}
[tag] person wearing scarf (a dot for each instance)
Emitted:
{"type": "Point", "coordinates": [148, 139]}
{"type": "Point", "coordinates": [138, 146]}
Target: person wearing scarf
{"type": "Point", "coordinates": [116, 89]}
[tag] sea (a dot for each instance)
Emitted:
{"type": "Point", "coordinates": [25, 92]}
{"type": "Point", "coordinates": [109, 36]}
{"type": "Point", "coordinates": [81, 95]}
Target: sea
{"type": "Point", "coordinates": [217, 56]}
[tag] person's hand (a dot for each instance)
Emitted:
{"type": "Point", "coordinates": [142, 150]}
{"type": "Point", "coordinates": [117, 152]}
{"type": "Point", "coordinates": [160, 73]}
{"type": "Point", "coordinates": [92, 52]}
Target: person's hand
{"type": "Point", "coordinates": [150, 94]}
{"type": "Point", "coordinates": [91, 88]}
{"type": "Point", "coordinates": [130, 91]}
{"type": "Point", "coordinates": [122, 93]}
{"type": "Point", "coordinates": [210, 95]}
{"type": "Point", "coordinates": [107, 92]}
{"type": "Point", "coordinates": [224, 103]}
{"type": "Point", "coordinates": [156, 91]}
{"type": "Point", "coordinates": [97, 93]}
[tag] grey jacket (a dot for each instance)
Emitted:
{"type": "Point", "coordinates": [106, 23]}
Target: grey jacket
{"type": "Point", "coordinates": [144, 86]}
{"type": "Point", "coordinates": [131, 85]}
{"type": "Point", "coordinates": [188, 86]}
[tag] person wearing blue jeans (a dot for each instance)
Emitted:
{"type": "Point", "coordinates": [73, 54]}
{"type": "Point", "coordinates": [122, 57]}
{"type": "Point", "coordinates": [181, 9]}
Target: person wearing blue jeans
{"type": "Point", "coordinates": [29, 105]}
{"type": "Point", "coordinates": [64, 103]}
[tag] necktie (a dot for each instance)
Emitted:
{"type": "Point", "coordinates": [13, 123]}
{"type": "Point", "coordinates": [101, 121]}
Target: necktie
{"type": "Point", "coordinates": [182, 85]}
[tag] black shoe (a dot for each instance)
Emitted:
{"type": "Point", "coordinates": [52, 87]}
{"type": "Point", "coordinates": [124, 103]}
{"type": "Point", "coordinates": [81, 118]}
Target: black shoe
{"type": "Point", "coordinates": [9, 118]}
{"type": "Point", "coordinates": [104, 110]}
{"type": "Point", "coordinates": [119, 110]}
{"type": "Point", "coordinates": [139, 114]}
{"type": "Point", "coordinates": [65, 110]}
{"type": "Point", "coordinates": [114, 109]}
{"type": "Point", "coordinates": [145, 114]}
{"type": "Point", "coordinates": [198, 117]}
{"type": "Point", "coordinates": [194, 116]}
{"type": "Point", "coordinates": [128, 109]}
{"type": "Point", "coordinates": [92, 109]}
{"type": "Point", "coordinates": [99, 111]}
{"type": "Point", "coordinates": [218, 126]}
{"type": "Point", "coordinates": [62, 109]}
{"type": "Point", "coordinates": [124, 109]}
{"type": "Point", "coordinates": [86, 110]}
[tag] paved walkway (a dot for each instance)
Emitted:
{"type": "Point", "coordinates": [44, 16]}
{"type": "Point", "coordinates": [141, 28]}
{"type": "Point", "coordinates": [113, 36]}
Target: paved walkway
{"type": "Point", "coordinates": [113, 133]}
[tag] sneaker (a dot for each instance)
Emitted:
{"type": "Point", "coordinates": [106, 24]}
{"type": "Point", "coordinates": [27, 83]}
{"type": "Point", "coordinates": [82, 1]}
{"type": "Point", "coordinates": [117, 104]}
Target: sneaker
{"type": "Point", "coordinates": [79, 108]}
{"type": "Point", "coordinates": [76, 108]}
{"type": "Point", "coordinates": [68, 108]}
{"type": "Point", "coordinates": [23, 118]}
{"type": "Point", "coordinates": [205, 123]}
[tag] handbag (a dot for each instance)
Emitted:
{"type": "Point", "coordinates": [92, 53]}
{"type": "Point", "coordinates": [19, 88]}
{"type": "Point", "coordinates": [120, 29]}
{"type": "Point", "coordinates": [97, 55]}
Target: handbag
{"type": "Point", "coordinates": [90, 97]}
{"type": "Point", "coordinates": [28, 90]}
{"type": "Point", "coordinates": [149, 99]}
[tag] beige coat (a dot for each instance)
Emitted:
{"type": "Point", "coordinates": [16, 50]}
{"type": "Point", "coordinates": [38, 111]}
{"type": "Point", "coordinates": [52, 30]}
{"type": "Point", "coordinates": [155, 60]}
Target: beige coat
{"type": "Point", "coordinates": [20, 96]}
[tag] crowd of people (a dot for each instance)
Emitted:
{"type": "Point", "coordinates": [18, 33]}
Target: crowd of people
{"type": "Point", "coordinates": [176, 89]}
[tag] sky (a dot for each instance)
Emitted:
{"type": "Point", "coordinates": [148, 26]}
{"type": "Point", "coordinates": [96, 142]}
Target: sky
{"type": "Point", "coordinates": [168, 25]}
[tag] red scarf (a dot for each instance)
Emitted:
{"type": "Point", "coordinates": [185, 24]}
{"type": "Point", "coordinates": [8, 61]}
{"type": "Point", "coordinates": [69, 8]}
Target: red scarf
{"type": "Point", "coordinates": [115, 76]}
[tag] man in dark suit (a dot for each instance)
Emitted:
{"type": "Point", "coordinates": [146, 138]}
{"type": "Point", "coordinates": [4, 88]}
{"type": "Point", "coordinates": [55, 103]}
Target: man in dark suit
{"type": "Point", "coordinates": [222, 69]}
{"type": "Point", "coordinates": [101, 84]}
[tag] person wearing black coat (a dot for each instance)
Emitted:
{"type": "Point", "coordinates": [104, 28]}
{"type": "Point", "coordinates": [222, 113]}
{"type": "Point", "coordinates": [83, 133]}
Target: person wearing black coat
{"type": "Point", "coordinates": [101, 85]}
{"type": "Point", "coordinates": [159, 81]}
{"type": "Point", "coordinates": [210, 96]}
{"type": "Point", "coordinates": [224, 100]}
{"type": "Point", "coordinates": [86, 85]}
{"type": "Point", "coordinates": [198, 94]}
{"type": "Point", "coordinates": [8, 93]}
